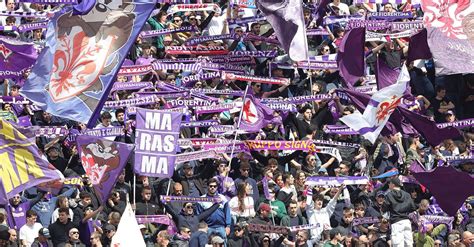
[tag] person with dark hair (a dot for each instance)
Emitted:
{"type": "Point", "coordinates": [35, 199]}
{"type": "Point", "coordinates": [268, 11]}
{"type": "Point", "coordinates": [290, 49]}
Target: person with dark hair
{"type": "Point", "coordinates": [120, 116]}
{"type": "Point", "coordinates": [399, 203]}
{"type": "Point", "coordinates": [146, 206]}
{"type": "Point", "coordinates": [59, 230]}
{"type": "Point", "coordinates": [187, 217]}
{"type": "Point", "coordinates": [293, 219]}
{"type": "Point", "coordinates": [30, 230]}
{"type": "Point", "coordinates": [318, 215]}
{"type": "Point", "coordinates": [440, 104]}
{"type": "Point", "coordinates": [336, 236]}
{"type": "Point", "coordinates": [105, 120]}
{"type": "Point", "coordinates": [220, 220]}
{"type": "Point", "coordinates": [287, 192]}
{"type": "Point", "coordinates": [242, 206]}
{"type": "Point", "coordinates": [245, 177]}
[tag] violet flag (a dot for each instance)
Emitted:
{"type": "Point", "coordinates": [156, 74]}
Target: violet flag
{"type": "Point", "coordinates": [449, 186]}
{"type": "Point", "coordinates": [256, 115]}
{"type": "Point", "coordinates": [21, 164]}
{"type": "Point", "coordinates": [384, 75]}
{"type": "Point", "coordinates": [83, 53]}
{"type": "Point", "coordinates": [381, 106]}
{"type": "Point", "coordinates": [427, 128]}
{"type": "Point", "coordinates": [450, 35]}
{"type": "Point", "coordinates": [286, 18]}
{"type": "Point", "coordinates": [321, 12]}
{"type": "Point", "coordinates": [350, 56]}
{"type": "Point", "coordinates": [418, 48]}
{"type": "Point", "coordinates": [15, 57]}
{"type": "Point", "coordinates": [103, 162]}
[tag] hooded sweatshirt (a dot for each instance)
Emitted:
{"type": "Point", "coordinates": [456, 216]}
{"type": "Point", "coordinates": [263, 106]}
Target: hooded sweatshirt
{"type": "Point", "coordinates": [399, 203]}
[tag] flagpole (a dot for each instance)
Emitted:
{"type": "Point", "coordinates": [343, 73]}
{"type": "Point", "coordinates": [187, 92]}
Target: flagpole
{"type": "Point", "coordinates": [134, 190]}
{"type": "Point", "coordinates": [237, 128]}
{"type": "Point", "coordinates": [168, 191]}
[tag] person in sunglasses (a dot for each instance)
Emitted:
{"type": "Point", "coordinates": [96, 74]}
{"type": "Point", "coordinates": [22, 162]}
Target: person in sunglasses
{"type": "Point", "coordinates": [73, 239]}
{"type": "Point", "coordinates": [187, 217]}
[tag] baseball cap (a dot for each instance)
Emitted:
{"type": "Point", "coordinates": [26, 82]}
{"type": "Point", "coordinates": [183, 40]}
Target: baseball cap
{"type": "Point", "coordinates": [265, 207]}
{"type": "Point", "coordinates": [217, 240]}
{"type": "Point", "coordinates": [380, 193]}
{"type": "Point", "coordinates": [450, 112]}
{"type": "Point", "coordinates": [110, 227]}
{"type": "Point", "coordinates": [44, 232]}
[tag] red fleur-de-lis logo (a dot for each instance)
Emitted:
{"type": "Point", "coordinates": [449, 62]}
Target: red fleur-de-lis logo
{"type": "Point", "coordinates": [249, 112]}
{"type": "Point", "coordinates": [78, 62]}
{"type": "Point", "coordinates": [5, 52]}
{"type": "Point", "coordinates": [386, 108]}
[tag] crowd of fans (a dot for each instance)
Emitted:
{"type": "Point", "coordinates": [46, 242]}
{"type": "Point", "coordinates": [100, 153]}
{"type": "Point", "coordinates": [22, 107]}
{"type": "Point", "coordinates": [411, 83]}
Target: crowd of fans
{"type": "Point", "coordinates": [74, 217]}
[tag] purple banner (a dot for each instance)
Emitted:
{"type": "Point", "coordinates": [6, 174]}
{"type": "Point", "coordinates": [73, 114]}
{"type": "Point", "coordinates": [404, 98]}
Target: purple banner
{"type": "Point", "coordinates": [246, 60]}
{"type": "Point", "coordinates": [204, 123]}
{"type": "Point", "coordinates": [157, 219]}
{"type": "Point", "coordinates": [146, 100]}
{"type": "Point", "coordinates": [191, 79]}
{"type": "Point", "coordinates": [22, 165]}
{"type": "Point", "coordinates": [157, 133]}
{"type": "Point", "coordinates": [105, 132]}
{"type": "Point", "coordinates": [15, 57]}
{"type": "Point", "coordinates": [240, 21]}
{"type": "Point", "coordinates": [198, 155]}
{"type": "Point", "coordinates": [214, 108]}
{"type": "Point", "coordinates": [201, 39]}
{"type": "Point", "coordinates": [408, 25]}
{"type": "Point", "coordinates": [458, 124]}
{"type": "Point", "coordinates": [103, 162]}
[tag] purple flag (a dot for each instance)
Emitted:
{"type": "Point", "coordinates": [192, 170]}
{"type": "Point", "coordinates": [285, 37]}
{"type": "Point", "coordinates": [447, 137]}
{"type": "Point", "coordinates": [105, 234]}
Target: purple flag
{"type": "Point", "coordinates": [256, 115]}
{"type": "Point", "coordinates": [449, 34]}
{"type": "Point", "coordinates": [156, 141]}
{"type": "Point", "coordinates": [448, 186]}
{"type": "Point", "coordinates": [21, 164]}
{"type": "Point", "coordinates": [82, 56]}
{"type": "Point", "coordinates": [15, 57]}
{"type": "Point", "coordinates": [103, 161]}
{"type": "Point", "coordinates": [384, 75]}
{"type": "Point", "coordinates": [428, 128]}
{"type": "Point", "coordinates": [321, 12]}
{"type": "Point", "coordinates": [83, 7]}
{"type": "Point", "coordinates": [286, 18]}
{"type": "Point", "coordinates": [418, 48]}
{"type": "Point", "coordinates": [350, 56]}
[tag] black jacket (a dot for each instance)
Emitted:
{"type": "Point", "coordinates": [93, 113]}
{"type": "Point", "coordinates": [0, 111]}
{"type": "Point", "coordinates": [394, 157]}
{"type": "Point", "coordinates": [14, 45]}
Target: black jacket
{"type": "Point", "coordinates": [190, 221]}
{"type": "Point", "coordinates": [399, 203]}
{"type": "Point", "coordinates": [59, 231]}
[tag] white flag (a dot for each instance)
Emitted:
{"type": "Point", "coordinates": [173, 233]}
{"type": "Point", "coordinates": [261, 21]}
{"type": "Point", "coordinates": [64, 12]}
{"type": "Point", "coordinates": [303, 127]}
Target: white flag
{"type": "Point", "coordinates": [128, 233]}
{"type": "Point", "coordinates": [379, 109]}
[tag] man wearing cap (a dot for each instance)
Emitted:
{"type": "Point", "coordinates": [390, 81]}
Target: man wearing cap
{"type": "Point", "coordinates": [43, 239]}
{"type": "Point", "coordinates": [217, 241]}
{"type": "Point", "coordinates": [193, 185]}
{"type": "Point", "coordinates": [73, 239]}
{"type": "Point", "coordinates": [399, 203]}
{"type": "Point", "coordinates": [262, 219]}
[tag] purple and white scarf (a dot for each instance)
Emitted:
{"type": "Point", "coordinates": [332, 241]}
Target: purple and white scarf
{"type": "Point", "coordinates": [316, 31]}
{"type": "Point", "coordinates": [188, 199]}
{"type": "Point", "coordinates": [372, 25]}
{"type": "Point", "coordinates": [202, 39]}
{"type": "Point", "coordinates": [240, 21]}
{"type": "Point", "coordinates": [194, 7]}
{"type": "Point", "coordinates": [267, 53]}
{"type": "Point", "coordinates": [458, 124]}
{"type": "Point", "coordinates": [317, 65]}
{"type": "Point", "coordinates": [217, 91]}
{"type": "Point", "coordinates": [190, 102]}
{"type": "Point", "coordinates": [146, 100]}
{"type": "Point", "coordinates": [246, 60]}
{"type": "Point", "coordinates": [124, 86]}
{"type": "Point", "coordinates": [338, 19]}
{"type": "Point", "coordinates": [389, 15]}
{"type": "Point", "coordinates": [191, 79]}
{"type": "Point", "coordinates": [204, 123]}
{"type": "Point", "coordinates": [50, 132]}
{"type": "Point", "coordinates": [280, 106]}
{"type": "Point", "coordinates": [409, 25]}
{"type": "Point", "coordinates": [198, 155]}
{"type": "Point", "coordinates": [335, 181]}
{"type": "Point", "coordinates": [365, 220]}
{"type": "Point", "coordinates": [223, 67]}
{"type": "Point", "coordinates": [135, 70]}
{"type": "Point", "coordinates": [256, 79]}
{"type": "Point", "coordinates": [154, 33]}
{"type": "Point", "coordinates": [157, 219]}
{"type": "Point", "coordinates": [214, 108]}
{"type": "Point", "coordinates": [297, 99]}
{"type": "Point", "coordinates": [105, 132]}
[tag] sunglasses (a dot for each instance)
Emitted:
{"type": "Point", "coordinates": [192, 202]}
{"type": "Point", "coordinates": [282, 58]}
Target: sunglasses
{"type": "Point", "coordinates": [188, 207]}
{"type": "Point", "coordinates": [212, 186]}
{"type": "Point", "coordinates": [177, 20]}
{"type": "Point", "coordinates": [312, 159]}
{"type": "Point", "coordinates": [74, 232]}
{"type": "Point", "coordinates": [257, 86]}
